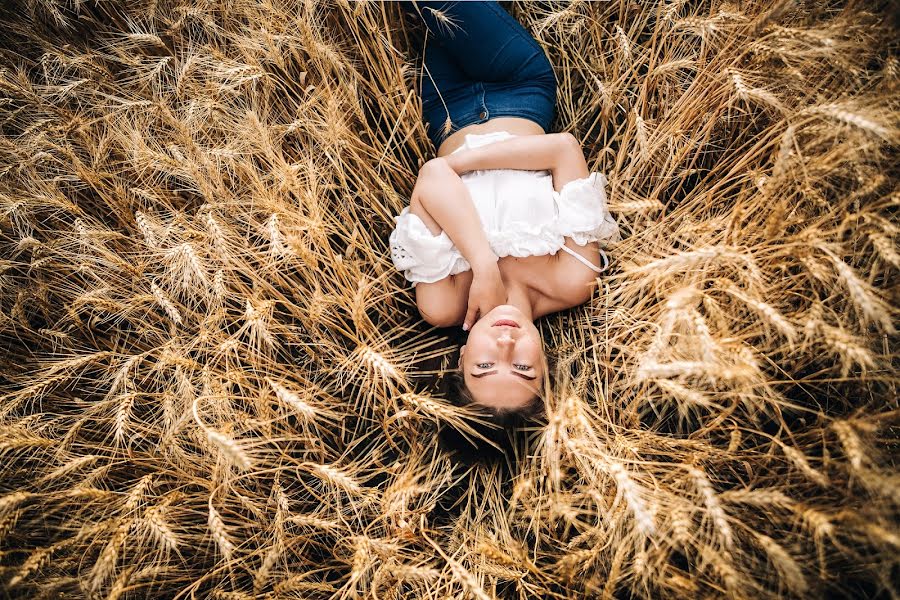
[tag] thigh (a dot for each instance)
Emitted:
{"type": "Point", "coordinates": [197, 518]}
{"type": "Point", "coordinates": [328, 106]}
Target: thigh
{"type": "Point", "coordinates": [447, 95]}
{"type": "Point", "coordinates": [441, 76]}
{"type": "Point", "coordinates": [485, 41]}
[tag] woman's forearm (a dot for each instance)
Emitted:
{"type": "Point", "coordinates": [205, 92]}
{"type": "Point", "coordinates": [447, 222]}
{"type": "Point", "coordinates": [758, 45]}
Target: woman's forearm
{"type": "Point", "coordinates": [559, 153]}
{"type": "Point", "coordinates": [525, 152]}
{"type": "Point", "coordinates": [446, 199]}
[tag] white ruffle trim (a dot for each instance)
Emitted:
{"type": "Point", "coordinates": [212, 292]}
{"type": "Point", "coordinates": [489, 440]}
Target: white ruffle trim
{"type": "Point", "coordinates": [582, 215]}
{"type": "Point", "coordinates": [422, 256]}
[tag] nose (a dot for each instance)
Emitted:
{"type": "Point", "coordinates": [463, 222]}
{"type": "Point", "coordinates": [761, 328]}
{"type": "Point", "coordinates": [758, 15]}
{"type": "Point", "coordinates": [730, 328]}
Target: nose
{"type": "Point", "coordinates": [505, 339]}
{"type": "Point", "coordinates": [505, 343]}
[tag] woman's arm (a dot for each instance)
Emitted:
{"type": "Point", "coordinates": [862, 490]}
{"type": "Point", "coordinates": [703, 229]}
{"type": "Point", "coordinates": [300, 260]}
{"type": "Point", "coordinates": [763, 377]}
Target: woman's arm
{"type": "Point", "coordinates": [443, 202]}
{"type": "Point", "coordinates": [571, 282]}
{"type": "Point", "coordinates": [448, 204]}
{"type": "Point", "coordinates": [559, 153]}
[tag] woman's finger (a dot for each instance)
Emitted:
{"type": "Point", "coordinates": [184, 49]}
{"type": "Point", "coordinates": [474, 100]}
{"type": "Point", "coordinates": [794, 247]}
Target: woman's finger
{"type": "Point", "coordinates": [470, 317]}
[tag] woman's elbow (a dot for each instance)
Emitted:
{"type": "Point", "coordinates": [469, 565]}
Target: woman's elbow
{"type": "Point", "coordinates": [570, 162]}
{"type": "Point", "coordinates": [440, 316]}
{"type": "Point", "coordinates": [432, 178]}
{"type": "Point", "coordinates": [569, 145]}
{"type": "Point", "coordinates": [434, 168]}
{"type": "Point", "coordinates": [436, 304]}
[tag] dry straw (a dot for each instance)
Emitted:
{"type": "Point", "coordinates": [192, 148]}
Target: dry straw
{"type": "Point", "coordinates": [214, 384]}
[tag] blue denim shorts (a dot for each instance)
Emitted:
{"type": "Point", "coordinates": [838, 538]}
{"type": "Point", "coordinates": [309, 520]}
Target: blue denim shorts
{"type": "Point", "coordinates": [481, 65]}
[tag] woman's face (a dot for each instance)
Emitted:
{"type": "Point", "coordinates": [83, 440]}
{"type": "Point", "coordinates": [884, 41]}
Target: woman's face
{"type": "Point", "coordinates": [502, 362]}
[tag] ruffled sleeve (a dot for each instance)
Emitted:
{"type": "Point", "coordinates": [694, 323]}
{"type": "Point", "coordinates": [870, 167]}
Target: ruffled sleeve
{"type": "Point", "coordinates": [582, 211]}
{"type": "Point", "coordinates": [420, 255]}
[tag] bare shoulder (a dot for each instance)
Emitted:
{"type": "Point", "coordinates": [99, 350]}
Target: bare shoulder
{"type": "Point", "coordinates": [443, 303]}
{"type": "Point", "coordinates": [568, 282]}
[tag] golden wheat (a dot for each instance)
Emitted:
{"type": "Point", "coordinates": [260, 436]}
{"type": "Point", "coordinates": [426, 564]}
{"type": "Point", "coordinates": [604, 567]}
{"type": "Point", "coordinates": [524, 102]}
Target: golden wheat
{"type": "Point", "coordinates": [214, 383]}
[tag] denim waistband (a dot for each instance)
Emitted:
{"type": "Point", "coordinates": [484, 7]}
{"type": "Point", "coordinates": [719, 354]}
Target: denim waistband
{"type": "Point", "coordinates": [485, 100]}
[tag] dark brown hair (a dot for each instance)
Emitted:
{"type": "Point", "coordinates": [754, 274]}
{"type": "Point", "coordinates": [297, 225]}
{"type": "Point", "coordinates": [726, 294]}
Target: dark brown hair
{"type": "Point", "coordinates": [502, 427]}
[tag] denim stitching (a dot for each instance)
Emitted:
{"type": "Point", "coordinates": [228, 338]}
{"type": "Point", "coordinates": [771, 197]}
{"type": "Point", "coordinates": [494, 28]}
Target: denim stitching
{"type": "Point", "coordinates": [531, 115]}
{"type": "Point", "coordinates": [505, 17]}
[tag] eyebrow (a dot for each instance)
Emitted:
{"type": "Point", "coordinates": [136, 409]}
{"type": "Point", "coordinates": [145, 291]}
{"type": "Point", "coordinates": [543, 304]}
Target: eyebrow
{"type": "Point", "coordinates": [516, 373]}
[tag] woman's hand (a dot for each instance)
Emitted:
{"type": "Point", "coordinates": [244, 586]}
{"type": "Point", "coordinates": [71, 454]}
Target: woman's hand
{"type": "Point", "coordinates": [444, 197]}
{"type": "Point", "coordinates": [485, 293]}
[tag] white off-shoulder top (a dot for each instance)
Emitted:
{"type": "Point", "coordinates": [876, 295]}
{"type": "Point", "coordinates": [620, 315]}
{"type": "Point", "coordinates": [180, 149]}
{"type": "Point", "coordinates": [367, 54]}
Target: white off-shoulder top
{"type": "Point", "coordinates": [522, 215]}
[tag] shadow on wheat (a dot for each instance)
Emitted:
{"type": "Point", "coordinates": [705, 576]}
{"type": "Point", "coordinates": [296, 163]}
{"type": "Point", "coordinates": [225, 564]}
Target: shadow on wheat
{"type": "Point", "coordinates": [214, 384]}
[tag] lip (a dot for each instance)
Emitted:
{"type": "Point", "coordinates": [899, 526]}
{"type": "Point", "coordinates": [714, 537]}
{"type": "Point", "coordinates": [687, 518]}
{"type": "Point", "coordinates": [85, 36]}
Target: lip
{"type": "Point", "coordinates": [505, 323]}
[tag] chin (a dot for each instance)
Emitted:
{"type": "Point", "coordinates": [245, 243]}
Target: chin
{"type": "Point", "coordinates": [506, 309]}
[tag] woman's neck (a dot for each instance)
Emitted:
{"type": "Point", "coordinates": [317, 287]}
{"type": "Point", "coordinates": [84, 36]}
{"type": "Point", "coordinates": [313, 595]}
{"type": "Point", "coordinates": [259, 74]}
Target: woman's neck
{"type": "Point", "coordinates": [520, 296]}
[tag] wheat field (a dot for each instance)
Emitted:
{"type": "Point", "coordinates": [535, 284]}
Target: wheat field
{"type": "Point", "coordinates": [214, 384]}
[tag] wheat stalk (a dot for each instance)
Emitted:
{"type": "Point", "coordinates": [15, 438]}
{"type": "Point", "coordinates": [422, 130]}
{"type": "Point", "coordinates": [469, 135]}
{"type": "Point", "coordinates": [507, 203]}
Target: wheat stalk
{"type": "Point", "coordinates": [219, 532]}
{"type": "Point", "coordinates": [713, 506]}
{"type": "Point", "coordinates": [631, 492]}
{"type": "Point", "coordinates": [215, 383]}
{"type": "Point", "coordinates": [785, 563]}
